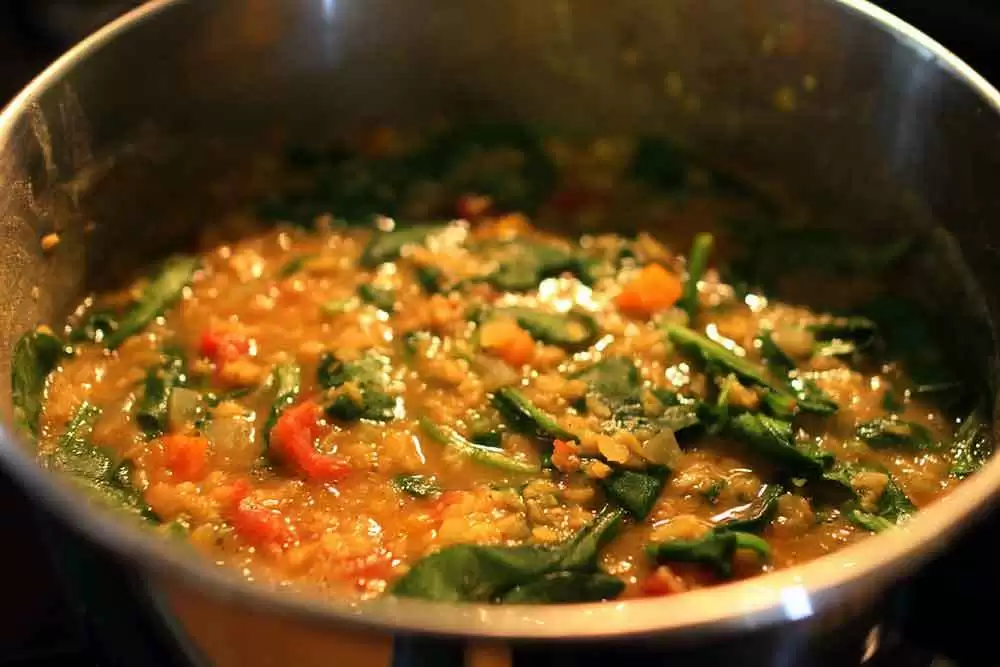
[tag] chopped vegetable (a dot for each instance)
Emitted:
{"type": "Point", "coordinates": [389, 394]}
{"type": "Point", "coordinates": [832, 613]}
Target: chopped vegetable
{"type": "Point", "coordinates": [159, 294]}
{"type": "Point", "coordinates": [755, 515]}
{"type": "Point", "coordinates": [294, 265]}
{"type": "Point", "coordinates": [806, 396]}
{"type": "Point", "coordinates": [286, 380]}
{"type": "Point", "coordinates": [971, 446]}
{"type": "Point", "coordinates": [359, 388]}
{"type": "Point", "coordinates": [186, 456]}
{"type": "Point", "coordinates": [36, 355]}
{"type": "Point", "coordinates": [523, 264]}
{"type": "Point", "coordinates": [467, 573]}
{"type": "Point", "coordinates": [523, 416]}
{"type": "Point", "coordinates": [383, 299]}
{"type": "Point", "coordinates": [77, 455]}
{"type": "Point", "coordinates": [897, 433]}
{"type": "Point", "coordinates": [636, 491]}
{"type": "Point", "coordinates": [293, 440]}
{"type": "Point", "coordinates": [418, 486]}
{"type": "Point", "coordinates": [773, 439]}
{"type": "Point", "coordinates": [223, 345]}
{"type": "Point", "coordinates": [570, 330]}
{"type": "Point", "coordinates": [94, 327]}
{"type": "Point", "coordinates": [697, 263]}
{"type": "Point", "coordinates": [153, 409]}
{"type": "Point", "coordinates": [387, 246]}
{"type": "Point", "coordinates": [652, 290]}
{"type": "Point", "coordinates": [484, 455]}
{"type": "Point", "coordinates": [504, 338]}
{"type": "Point", "coordinates": [715, 549]}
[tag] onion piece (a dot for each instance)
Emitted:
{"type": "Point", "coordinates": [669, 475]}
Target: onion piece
{"type": "Point", "coordinates": [495, 373]}
{"type": "Point", "coordinates": [662, 449]}
{"type": "Point", "coordinates": [184, 408]}
{"type": "Point", "coordinates": [234, 441]}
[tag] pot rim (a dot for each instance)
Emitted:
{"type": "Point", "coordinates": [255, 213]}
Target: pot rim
{"type": "Point", "coordinates": [787, 595]}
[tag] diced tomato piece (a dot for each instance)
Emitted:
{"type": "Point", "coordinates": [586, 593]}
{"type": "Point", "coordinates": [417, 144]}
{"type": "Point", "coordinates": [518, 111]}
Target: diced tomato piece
{"type": "Point", "coordinates": [293, 439]}
{"type": "Point", "coordinates": [186, 456]}
{"type": "Point", "coordinates": [653, 289]}
{"type": "Point", "coordinates": [505, 339]}
{"type": "Point", "coordinates": [260, 526]}
{"type": "Point", "coordinates": [222, 345]}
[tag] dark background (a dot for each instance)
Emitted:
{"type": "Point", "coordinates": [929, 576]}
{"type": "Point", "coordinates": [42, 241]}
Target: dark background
{"type": "Point", "coordinates": [948, 609]}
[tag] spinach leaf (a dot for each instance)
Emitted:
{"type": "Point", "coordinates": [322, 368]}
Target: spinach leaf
{"type": "Point", "coordinates": [715, 549]}
{"type": "Point", "coordinates": [522, 264]}
{"type": "Point", "coordinates": [807, 397]}
{"type": "Point", "coordinates": [810, 398]}
{"type": "Point", "coordinates": [430, 278]}
{"type": "Point", "coordinates": [525, 417]}
{"type": "Point", "coordinates": [387, 246]}
{"type": "Point", "coordinates": [153, 409]}
{"type": "Point", "coordinates": [971, 446]}
{"type": "Point", "coordinates": [36, 355]}
{"type": "Point", "coordinates": [417, 486]}
{"type": "Point", "coordinates": [896, 433]}
{"type": "Point", "coordinates": [754, 516]}
{"type": "Point", "coordinates": [491, 457]}
{"type": "Point", "coordinates": [469, 573]}
{"type": "Point", "coordinates": [615, 380]}
{"type": "Point", "coordinates": [162, 291]}
{"type": "Point", "coordinates": [636, 491]}
{"type": "Point", "coordinates": [773, 439]}
{"type": "Point", "coordinates": [109, 481]}
{"type": "Point", "coordinates": [383, 299]}
{"type": "Point", "coordinates": [363, 382]}
{"type": "Point", "coordinates": [286, 379]}
{"type": "Point", "coordinates": [487, 439]}
{"type": "Point", "coordinates": [859, 331]}
{"type": "Point", "coordinates": [95, 327]}
{"type": "Point", "coordinates": [893, 505]}
{"type": "Point", "coordinates": [697, 263]}
{"type": "Point", "coordinates": [566, 587]}
{"type": "Point", "coordinates": [775, 358]}
{"type": "Point", "coordinates": [715, 355]}
{"type": "Point", "coordinates": [294, 265]}
{"type": "Point", "coordinates": [573, 330]}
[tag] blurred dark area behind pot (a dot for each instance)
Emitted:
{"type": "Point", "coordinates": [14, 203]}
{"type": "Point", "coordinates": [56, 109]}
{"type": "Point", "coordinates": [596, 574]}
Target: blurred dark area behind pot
{"type": "Point", "coordinates": [47, 618]}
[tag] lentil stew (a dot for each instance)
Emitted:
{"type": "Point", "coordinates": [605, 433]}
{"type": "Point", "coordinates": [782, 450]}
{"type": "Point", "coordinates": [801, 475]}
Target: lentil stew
{"type": "Point", "coordinates": [486, 406]}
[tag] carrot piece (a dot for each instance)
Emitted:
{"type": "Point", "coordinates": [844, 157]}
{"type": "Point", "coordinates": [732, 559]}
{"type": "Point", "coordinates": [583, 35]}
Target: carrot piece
{"type": "Point", "coordinates": [505, 339]}
{"type": "Point", "coordinates": [293, 440]}
{"type": "Point", "coordinates": [565, 456]}
{"type": "Point", "coordinates": [653, 289]}
{"type": "Point", "coordinates": [662, 581]}
{"type": "Point", "coordinates": [221, 346]}
{"type": "Point", "coordinates": [186, 456]}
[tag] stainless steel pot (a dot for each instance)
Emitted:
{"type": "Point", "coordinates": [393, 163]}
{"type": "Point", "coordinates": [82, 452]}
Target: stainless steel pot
{"type": "Point", "coordinates": [122, 146]}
